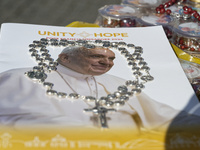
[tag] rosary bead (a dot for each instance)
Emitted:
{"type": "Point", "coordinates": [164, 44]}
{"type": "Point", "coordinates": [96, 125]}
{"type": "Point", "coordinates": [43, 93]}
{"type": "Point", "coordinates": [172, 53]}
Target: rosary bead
{"type": "Point", "coordinates": [39, 60]}
{"type": "Point", "coordinates": [44, 43]}
{"type": "Point", "coordinates": [30, 74]}
{"type": "Point", "coordinates": [138, 51]}
{"type": "Point", "coordinates": [168, 11]}
{"type": "Point", "coordinates": [74, 96]}
{"type": "Point", "coordinates": [128, 94]}
{"type": "Point", "coordinates": [130, 83]}
{"type": "Point", "coordinates": [135, 55]}
{"type": "Point", "coordinates": [109, 103]}
{"type": "Point", "coordinates": [135, 68]}
{"type": "Point", "coordinates": [196, 15]}
{"type": "Point", "coordinates": [161, 6]}
{"type": "Point", "coordinates": [136, 91]}
{"type": "Point", "coordinates": [33, 50]}
{"type": "Point", "coordinates": [51, 92]}
{"type": "Point", "coordinates": [48, 85]}
{"type": "Point", "coordinates": [142, 63]}
{"type": "Point", "coordinates": [72, 43]}
{"type": "Point", "coordinates": [119, 103]}
{"type": "Point", "coordinates": [45, 55]}
{"type": "Point", "coordinates": [34, 55]}
{"type": "Point", "coordinates": [102, 100]}
{"type": "Point", "coordinates": [64, 40]}
{"type": "Point", "coordinates": [111, 23]}
{"type": "Point", "coordinates": [111, 96]}
{"type": "Point", "coordinates": [53, 40]}
{"type": "Point", "coordinates": [61, 95]}
{"type": "Point", "coordinates": [150, 78]}
{"type": "Point", "coordinates": [89, 46]}
{"type": "Point", "coordinates": [147, 78]}
{"type": "Point", "coordinates": [124, 52]}
{"type": "Point", "coordinates": [40, 76]}
{"type": "Point", "coordinates": [130, 58]}
{"type": "Point", "coordinates": [157, 9]}
{"type": "Point", "coordinates": [122, 89]}
{"type": "Point", "coordinates": [128, 54]}
{"type": "Point", "coordinates": [186, 16]}
{"type": "Point", "coordinates": [40, 46]}
{"type": "Point", "coordinates": [54, 43]}
{"type": "Point", "coordinates": [123, 98]}
{"type": "Point", "coordinates": [90, 98]}
{"type": "Point", "coordinates": [114, 46]}
{"type": "Point", "coordinates": [50, 68]}
{"type": "Point", "coordinates": [170, 3]}
{"type": "Point", "coordinates": [41, 80]}
{"type": "Point", "coordinates": [185, 8]}
{"type": "Point", "coordinates": [138, 48]}
{"type": "Point", "coordinates": [98, 41]}
{"type": "Point", "coordinates": [48, 59]}
{"type": "Point", "coordinates": [130, 45]}
{"type": "Point", "coordinates": [62, 44]}
{"type": "Point", "coordinates": [106, 42]}
{"type": "Point", "coordinates": [32, 46]}
{"type": "Point", "coordinates": [53, 63]}
{"type": "Point", "coordinates": [127, 22]}
{"type": "Point", "coordinates": [114, 43]}
{"type": "Point", "coordinates": [162, 10]}
{"type": "Point", "coordinates": [43, 40]}
{"type": "Point", "coordinates": [139, 58]}
{"type": "Point", "coordinates": [122, 44]}
{"type": "Point", "coordinates": [145, 68]}
{"type": "Point", "coordinates": [133, 64]}
{"type": "Point", "coordinates": [44, 50]}
{"type": "Point", "coordinates": [117, 94]}
{"type": "Point", "coordinates": [137, 73]}
{"type": "Point", "coordinates": [140, 86]}
{"type": "Point", "coordinates": [42, 65]}
{"type": "Point", "coordinates": [122, 49]}
{"type": "Point", "coordinates": [166, 5]}
{"type": "Point", "coordinates": [81, 42]}
{"type": "Point", "coordinates": [106, 45]}
{"type": "Point", "coordinates": [177, 15]}
{"type": "Point", "coordinates": [192, 49]}
{"type": "Point", "coordinates": [37, 68]}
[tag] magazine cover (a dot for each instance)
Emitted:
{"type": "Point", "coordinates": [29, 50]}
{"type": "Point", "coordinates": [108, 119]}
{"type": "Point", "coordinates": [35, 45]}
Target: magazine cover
{"type": "Point", "coordinates": [93, 88]}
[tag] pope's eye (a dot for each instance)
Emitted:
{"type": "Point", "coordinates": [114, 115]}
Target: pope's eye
{"type": "Point", "coordinates": [112, 58]}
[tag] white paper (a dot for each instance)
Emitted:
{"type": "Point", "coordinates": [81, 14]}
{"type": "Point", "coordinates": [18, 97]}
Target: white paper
{"type": "Point", "coordinates": [170, 85]}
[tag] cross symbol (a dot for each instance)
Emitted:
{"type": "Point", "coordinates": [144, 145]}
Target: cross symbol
{"type": "Point", "coordinates": [101, 112]}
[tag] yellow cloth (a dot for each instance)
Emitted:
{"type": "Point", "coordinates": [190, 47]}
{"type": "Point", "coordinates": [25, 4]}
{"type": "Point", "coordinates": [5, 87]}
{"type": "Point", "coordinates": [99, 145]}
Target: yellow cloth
{"type": "Point", "coordinates": [183, 55]}
{"type": "Point", "coordinates": [81, 24]}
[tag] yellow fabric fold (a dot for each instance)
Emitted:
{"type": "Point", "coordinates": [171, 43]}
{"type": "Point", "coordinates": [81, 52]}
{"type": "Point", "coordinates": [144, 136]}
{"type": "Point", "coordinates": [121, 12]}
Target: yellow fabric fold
{"type": "Point", "coordinates": [81, 24]}
{"type": "Point", "coordinates": [185, 56]}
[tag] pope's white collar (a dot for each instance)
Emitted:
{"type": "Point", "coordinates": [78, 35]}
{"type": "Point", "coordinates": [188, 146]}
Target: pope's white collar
{"type": "Point", "coordinates": [64, 70]}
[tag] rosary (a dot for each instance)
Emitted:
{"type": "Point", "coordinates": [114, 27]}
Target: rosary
{"type": "Point", "coordinates": [187, 11]}
{"type": "Point", "coordinates": [46, 64]}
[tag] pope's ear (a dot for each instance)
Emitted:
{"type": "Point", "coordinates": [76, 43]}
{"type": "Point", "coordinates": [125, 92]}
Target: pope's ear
{"type": "Point", "coordinates": [64, 58]}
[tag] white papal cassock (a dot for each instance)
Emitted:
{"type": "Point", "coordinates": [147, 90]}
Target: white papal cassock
{"type": "Point", "coordinates": [24, 103]}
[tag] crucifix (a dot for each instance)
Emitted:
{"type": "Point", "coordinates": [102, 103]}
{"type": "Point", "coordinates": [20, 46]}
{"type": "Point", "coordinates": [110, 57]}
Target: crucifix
{"type": "Point", "coordinates": [101, 112]}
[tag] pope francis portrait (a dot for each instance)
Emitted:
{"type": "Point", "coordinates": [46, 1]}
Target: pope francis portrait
{"type": "Point", "coordinates": [81, 72]}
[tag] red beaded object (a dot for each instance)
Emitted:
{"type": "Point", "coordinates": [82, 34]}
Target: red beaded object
{"type": "Point", "coordinates": [186, 42]}
{"type": "Point", "coordinates": [162, 8]}
{"type": "Point", "coordinates": [112, 16]}
{"type": "Point", "coordinates": [127, 22]}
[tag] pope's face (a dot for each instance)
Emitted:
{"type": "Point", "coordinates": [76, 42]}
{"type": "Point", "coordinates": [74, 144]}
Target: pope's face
{"type": "Point", "coordinates": [91, 61]}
